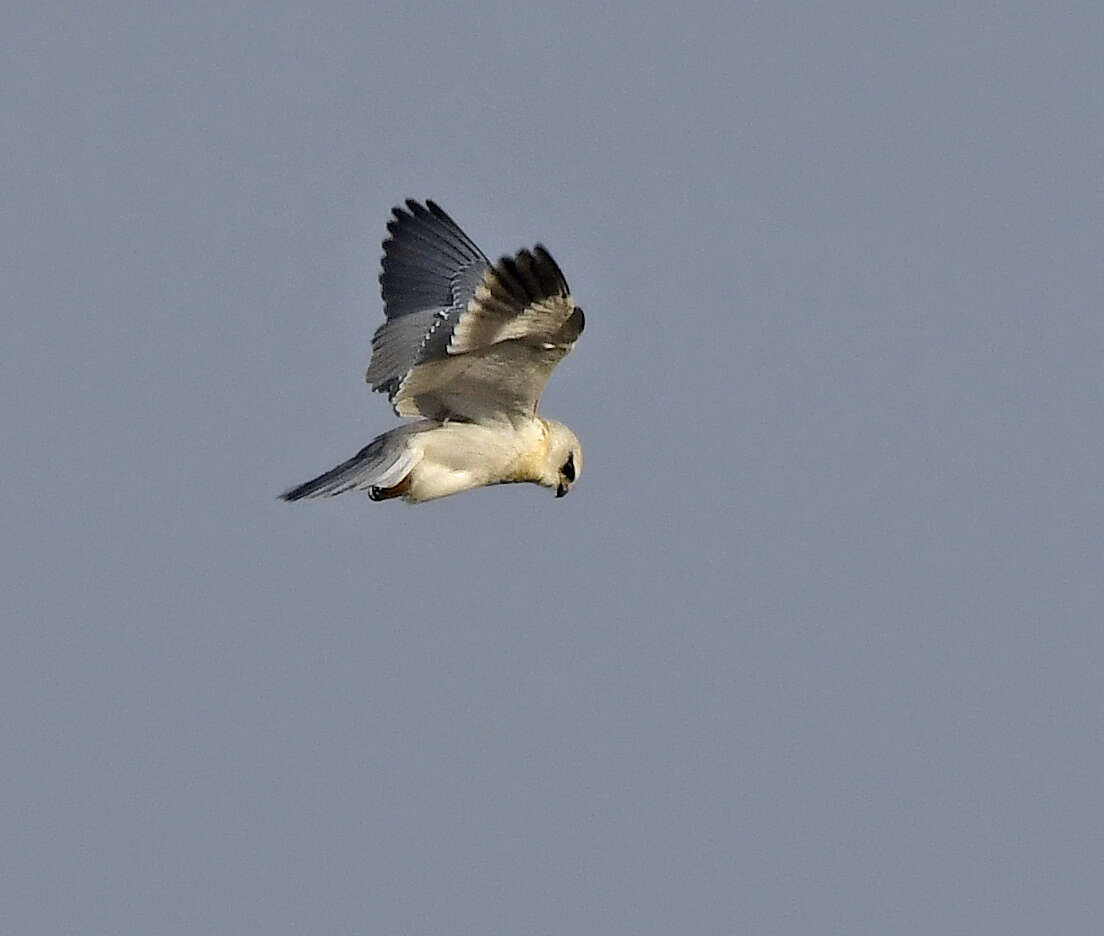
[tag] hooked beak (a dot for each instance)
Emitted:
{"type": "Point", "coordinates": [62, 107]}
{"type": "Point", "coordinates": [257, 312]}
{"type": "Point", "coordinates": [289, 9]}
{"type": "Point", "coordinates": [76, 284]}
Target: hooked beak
{"type": "Point", "coordinates": [561, 490]}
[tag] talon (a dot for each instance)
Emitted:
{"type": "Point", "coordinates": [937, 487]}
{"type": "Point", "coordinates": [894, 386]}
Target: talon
{"type": "Point", "coordinates": [377, 493]}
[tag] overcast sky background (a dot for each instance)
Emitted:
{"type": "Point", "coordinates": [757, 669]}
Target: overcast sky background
{"type": "Point", "coordinates": [814, 645]}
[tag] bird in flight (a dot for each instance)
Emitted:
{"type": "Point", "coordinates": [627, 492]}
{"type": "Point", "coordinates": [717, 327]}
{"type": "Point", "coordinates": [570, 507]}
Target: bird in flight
{"type": "Point", "coordinates": [464, 353]}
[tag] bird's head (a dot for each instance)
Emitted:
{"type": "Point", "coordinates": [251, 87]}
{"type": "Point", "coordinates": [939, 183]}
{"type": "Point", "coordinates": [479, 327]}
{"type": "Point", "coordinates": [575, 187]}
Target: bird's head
{"type": "Point", "coordinates": [564, 462]}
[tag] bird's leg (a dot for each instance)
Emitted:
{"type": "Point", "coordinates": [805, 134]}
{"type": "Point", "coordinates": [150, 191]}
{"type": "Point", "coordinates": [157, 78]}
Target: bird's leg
{"type": "Point", "coordinates": [398, 490]}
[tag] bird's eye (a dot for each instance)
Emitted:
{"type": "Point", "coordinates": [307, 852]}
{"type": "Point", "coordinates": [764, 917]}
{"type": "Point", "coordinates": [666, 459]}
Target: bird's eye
{"type": "Point", "coordinates": [569, 467]}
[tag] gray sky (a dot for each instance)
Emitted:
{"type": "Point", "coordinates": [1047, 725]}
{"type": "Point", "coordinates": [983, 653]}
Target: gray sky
{"type": "Point", "coordinates": [815, 644]}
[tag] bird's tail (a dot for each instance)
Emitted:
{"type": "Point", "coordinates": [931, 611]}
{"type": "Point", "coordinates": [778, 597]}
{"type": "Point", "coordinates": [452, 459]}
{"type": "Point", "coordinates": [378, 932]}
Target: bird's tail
{"type": "Point", "coordinates": [383, 463]}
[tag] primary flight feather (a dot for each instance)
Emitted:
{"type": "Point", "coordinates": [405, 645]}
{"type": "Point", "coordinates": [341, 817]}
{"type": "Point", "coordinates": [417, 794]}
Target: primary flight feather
{"type": "Point", "coordinates": [465, 351]}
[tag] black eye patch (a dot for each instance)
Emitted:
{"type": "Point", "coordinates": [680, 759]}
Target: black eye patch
{"type": "Point", "coordinates": [569, 467]}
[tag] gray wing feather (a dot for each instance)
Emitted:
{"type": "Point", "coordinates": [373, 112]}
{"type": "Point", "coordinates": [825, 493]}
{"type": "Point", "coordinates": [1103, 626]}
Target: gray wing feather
{"type": "Point", "coordinates": [430, 272]}
{"type": "Point", "coordinates": [384, 462]}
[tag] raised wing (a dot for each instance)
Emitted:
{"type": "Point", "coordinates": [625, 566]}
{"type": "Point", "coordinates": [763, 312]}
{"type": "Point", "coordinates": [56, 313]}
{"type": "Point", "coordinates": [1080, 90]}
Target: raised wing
{"type": "Point", "coordinates": [464, 339]}
{"type": "Point", "coordinates": [430, 273]}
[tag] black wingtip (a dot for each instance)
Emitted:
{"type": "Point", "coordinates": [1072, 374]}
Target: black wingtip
{"type": "Point", "coordinates": [419, 209]}
{"type": "Point", "coordinates": [536, 272]}
{"type": "Point", "coordinates": [438, 212]}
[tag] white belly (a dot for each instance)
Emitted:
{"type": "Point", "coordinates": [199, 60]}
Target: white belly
{"type": "Point", "coordinates": [460, 456]}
